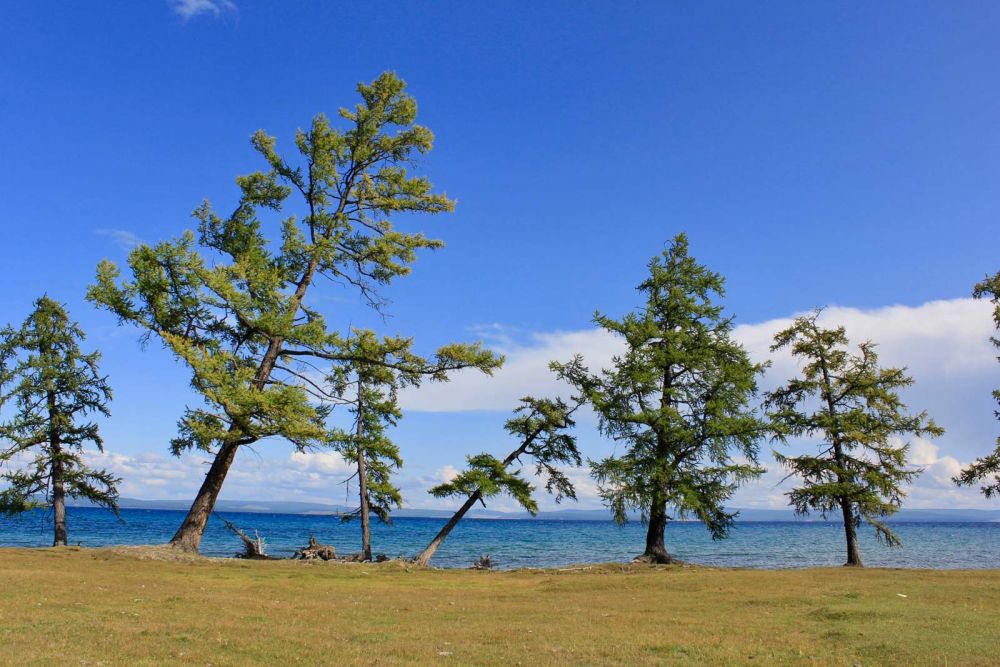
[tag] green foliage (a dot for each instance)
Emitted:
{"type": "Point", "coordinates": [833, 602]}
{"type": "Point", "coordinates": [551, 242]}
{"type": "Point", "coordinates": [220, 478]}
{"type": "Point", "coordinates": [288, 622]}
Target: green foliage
{"type": "Point", "coordinates": [676, 399]}
{"type": "Point", "coordinates": [489, 476]}
{"type": "Point", "coordinates": [51, 385]}
{"type": "Point", "coordinates": [540, 426]}
{"type": "Point", "coordinates": [232, 305]}
{"type": "Point", "coordinates": [853, 406]}
{"type": "Point", "coordinates": [374, 371]}
{"type": "Point", "coordinates": [986, 470]}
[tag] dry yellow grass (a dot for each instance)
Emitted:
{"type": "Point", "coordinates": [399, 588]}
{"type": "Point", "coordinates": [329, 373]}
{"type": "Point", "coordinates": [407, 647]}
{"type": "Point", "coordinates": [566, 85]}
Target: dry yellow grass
{"type": "Point", "coordinates": [70, 606]}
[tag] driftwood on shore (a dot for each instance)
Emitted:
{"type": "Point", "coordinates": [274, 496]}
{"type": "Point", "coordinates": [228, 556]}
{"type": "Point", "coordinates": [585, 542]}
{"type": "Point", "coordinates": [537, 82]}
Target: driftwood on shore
{"type": "Point", "coordinates": [316, 551]}
{"type": "Point", "coordinates": [253, 547]}
{"type": "Point", "coordinates": [485, 562]}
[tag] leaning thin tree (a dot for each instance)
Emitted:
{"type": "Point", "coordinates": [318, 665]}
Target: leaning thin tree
{"type": "Point", "coordinates": [986, 470]}
{"type": "Point", "coordinates": [853, 405]}
{"type": "Point", "coordinates": [53, 387]}
{"type": "Point", "coordinates": [678, 401]}
{"type": "Point", "coordinates": [234, 306]}
{"type": "Point", "coordinates": [370, 382]}
{"type": "Point", "coordinates": [540, 426]}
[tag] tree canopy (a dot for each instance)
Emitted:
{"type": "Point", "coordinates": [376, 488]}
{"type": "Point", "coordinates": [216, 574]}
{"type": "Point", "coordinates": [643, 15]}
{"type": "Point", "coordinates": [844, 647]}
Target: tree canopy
{"type": "Point", "coordinates": [986, 470]}
{"type": "Point", "coordinates": [541, 427]}
{"type": "Point", "coordinates": [852, 404]}
{"type": "Point", "coordinates": [678, 402]}
{"type": "Point", "coordinates": [53, 387]}
{"type": "Point", "coordinates": [235, 307]}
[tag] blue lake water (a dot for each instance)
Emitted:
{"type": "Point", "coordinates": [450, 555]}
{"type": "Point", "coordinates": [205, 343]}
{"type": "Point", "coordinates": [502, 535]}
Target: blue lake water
{"type": "Point", "coordinates": [536, 543]}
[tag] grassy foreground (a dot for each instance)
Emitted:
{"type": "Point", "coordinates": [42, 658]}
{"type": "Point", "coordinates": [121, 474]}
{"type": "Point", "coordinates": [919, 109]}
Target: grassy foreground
{"type": "Point", "coordinates": [71, 606]}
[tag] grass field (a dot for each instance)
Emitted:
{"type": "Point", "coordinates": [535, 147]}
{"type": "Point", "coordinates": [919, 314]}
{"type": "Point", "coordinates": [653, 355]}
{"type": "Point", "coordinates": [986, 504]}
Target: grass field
{"type": "Point", "coordinates": [89, 607]}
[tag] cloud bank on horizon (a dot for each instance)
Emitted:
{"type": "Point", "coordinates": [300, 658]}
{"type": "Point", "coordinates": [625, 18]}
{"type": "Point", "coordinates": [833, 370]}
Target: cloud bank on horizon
{"type": "Point", "coordinates": [938, 341]}
{"type": "Point", "coordinates": [944, 344]}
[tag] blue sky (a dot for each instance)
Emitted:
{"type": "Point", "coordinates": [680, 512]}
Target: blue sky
{"type": "Point", "coordinates": [816, 153]}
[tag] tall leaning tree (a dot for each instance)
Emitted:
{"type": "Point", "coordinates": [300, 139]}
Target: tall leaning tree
{"type": "Point", "coordinates": [51, 388]}
{"type": "Point", "coordinates": [370, 382]}
{"type": "Point", "coordinates": [241, 311]}
{"type": "Point", "coordinates": [985, 471]}
{"type": "Point", "coordinates": [677, 401]}
{"type": "Point", "coordinates": [852, 405]}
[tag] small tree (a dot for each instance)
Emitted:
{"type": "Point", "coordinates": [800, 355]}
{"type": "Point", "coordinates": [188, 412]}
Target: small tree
{"type": "Point", "coordinates": [53, 386]}
{"type": "Point", "coordinates": [677, 399]}
{"type": "Point", "coordinates": [236, 304]}
{"type": "Point", "coordinates": [540, 426]}
{"type": "Point", "coordinates": [370, 379]}
{"type": "Point", "coordinates": [853, 406]}
{"type": "Point", "coordinates": [986, 470]}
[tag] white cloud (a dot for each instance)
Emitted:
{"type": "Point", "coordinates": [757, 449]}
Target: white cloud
{"type": "Point", "coordinates": [446, 474]}
{"type": "Point", "coordinates": [937, 341]}
{"type": "Point", "coordinates": [944, 345]}
{"type": "Point", "coordinates": [526, 372]}
{"type": "Point", "coordinates": [125, 240]}
{"type": "Point", "coordinates": [188, 9]}
{"type": "Point", "coordinates": [303, 476]}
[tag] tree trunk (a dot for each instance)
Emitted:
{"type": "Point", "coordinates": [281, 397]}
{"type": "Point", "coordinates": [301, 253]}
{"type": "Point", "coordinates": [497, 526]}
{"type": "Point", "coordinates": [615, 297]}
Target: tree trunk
{"type": "Point", "coordinates": [425, 555]}
{"type": "Point", "coordinates": [850, 532]}
{"type": "Point", "coordinates": [58, 477]}
{"type": "Point", "coordinates": [656, 551]}
{"type": "Point", "coordinates": [853, 551]}
{"type": "Point", "coordinates": [58, 498]}
{"type": "Point", "coordinates": [188, 536]}
{"type": "Point", "coordinates": [366, 528]}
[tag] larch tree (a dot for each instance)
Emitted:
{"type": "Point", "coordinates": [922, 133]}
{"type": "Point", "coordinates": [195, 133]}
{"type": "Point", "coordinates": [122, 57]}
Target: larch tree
{"type": "Point", "coordinates": [678, 401]}
{"type": "Point", "coordinates": [238, 309]}
{"type": "Point", "coordinates": [370, 382]}
{"type": "Point", "coordinates": [52, 388]}
{"type": "Point", "coordinates": [540, 426]}
{"type": "Point", "coordinates": [853, 406]}
{"type": "Point", "coordinates": [986, 470]}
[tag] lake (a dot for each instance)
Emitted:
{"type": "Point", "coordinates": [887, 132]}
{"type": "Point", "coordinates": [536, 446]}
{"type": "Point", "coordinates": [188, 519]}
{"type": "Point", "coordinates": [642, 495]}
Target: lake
{"type": "Point", "coordinates": [536, 543]}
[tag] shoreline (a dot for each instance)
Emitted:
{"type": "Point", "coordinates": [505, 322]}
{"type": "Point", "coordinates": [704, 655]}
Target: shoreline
{"type": "Point", "coordinates": [166, 553]}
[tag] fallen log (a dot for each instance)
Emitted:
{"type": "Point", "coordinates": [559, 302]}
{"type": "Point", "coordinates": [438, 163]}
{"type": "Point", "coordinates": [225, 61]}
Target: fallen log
{"type": "Point", "coordinates": [316, 551]}
{"type": "Point", "coordinates": [253, 547]}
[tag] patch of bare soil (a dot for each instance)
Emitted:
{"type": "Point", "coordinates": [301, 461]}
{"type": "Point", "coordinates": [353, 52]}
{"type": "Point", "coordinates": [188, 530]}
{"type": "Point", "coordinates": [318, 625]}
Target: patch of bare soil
{"type": "Point", "coordinates": [157, 552]}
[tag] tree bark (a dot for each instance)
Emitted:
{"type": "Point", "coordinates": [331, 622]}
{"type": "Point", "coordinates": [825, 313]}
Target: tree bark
{"type": "Point", "coordinates": [366, 530]}
{"type": "Point", "coordinates": [58, 477]}
{"type": "Point", "coordinates": [428, 552]}
{"type": "Point", "coordinates": [188, 536]}
{"type": "Point", "coordinates": [58, 499]}
{"type": "Point", "coordinates": [850, 532]}
{"type": "Point", "coordinates": [656, 551]}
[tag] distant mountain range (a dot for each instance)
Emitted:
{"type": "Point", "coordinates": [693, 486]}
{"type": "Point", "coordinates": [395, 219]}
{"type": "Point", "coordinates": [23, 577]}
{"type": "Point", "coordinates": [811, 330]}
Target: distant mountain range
{"type": "Point", "coordinates": [746, 514]}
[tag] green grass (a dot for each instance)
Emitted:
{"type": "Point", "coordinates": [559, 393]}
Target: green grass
{"type": "Point", "coordinates": [71, 606]}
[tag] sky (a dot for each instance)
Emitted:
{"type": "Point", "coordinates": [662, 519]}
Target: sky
{"type": "Point", "coordinates": [817, 154]}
